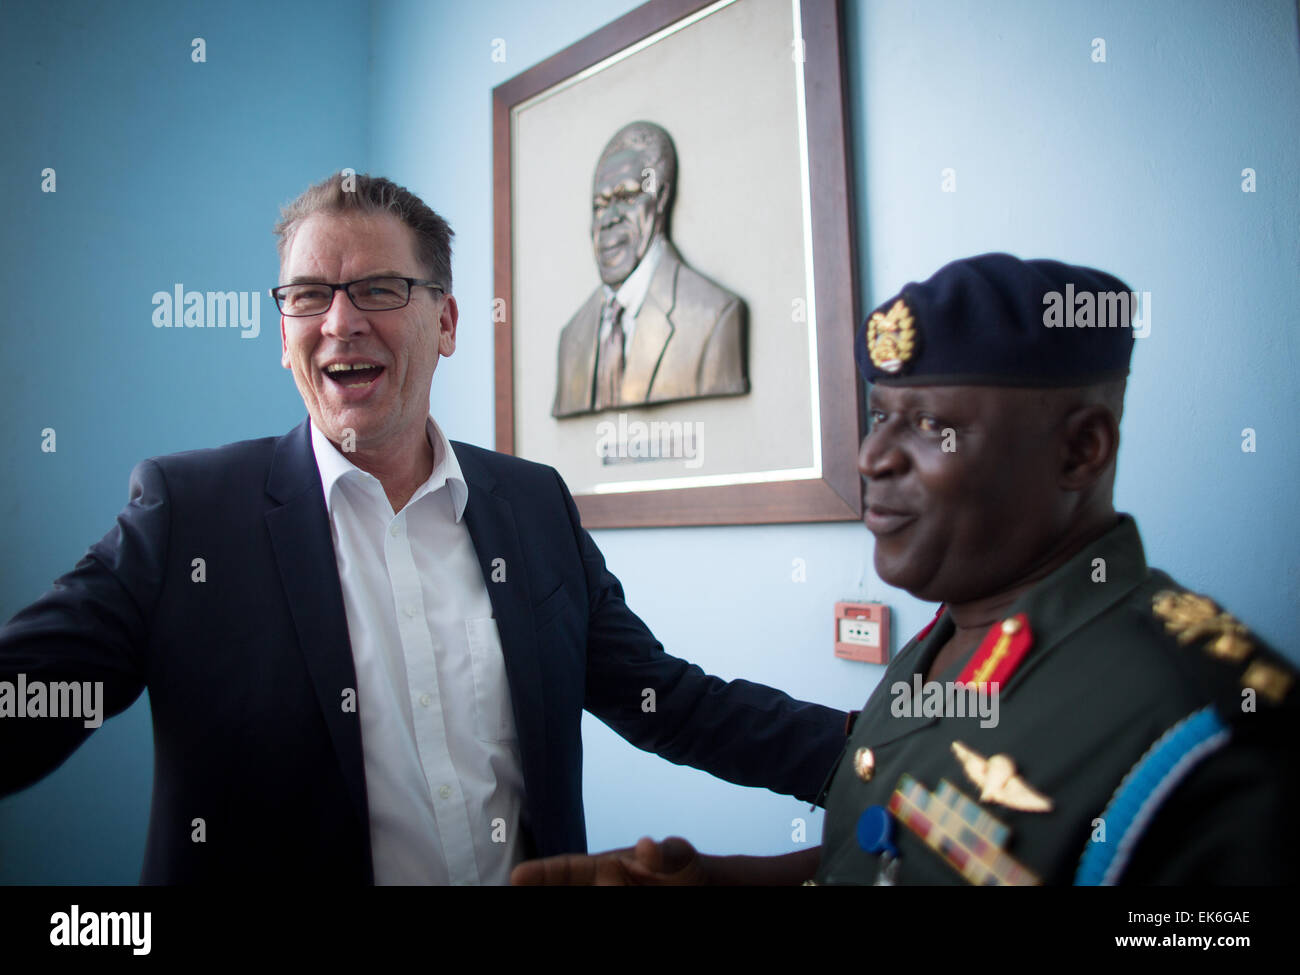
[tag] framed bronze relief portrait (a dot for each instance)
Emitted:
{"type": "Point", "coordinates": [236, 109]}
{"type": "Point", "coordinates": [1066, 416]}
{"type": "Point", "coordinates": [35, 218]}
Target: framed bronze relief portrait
{"type": "Point", "coordinates": [674, 267]}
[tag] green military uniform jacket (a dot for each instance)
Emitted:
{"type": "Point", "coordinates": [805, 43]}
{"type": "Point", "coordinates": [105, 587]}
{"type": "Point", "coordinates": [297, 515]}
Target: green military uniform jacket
{"type": "Point", "coordinates": [1105, 677]}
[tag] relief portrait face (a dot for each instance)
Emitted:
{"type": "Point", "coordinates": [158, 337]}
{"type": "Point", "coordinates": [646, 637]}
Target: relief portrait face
{"type": "Point", "coordinates": [623, 216]}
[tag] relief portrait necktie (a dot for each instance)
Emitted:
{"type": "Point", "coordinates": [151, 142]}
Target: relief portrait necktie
{"type": "Point", "coordinates": [609, 371]}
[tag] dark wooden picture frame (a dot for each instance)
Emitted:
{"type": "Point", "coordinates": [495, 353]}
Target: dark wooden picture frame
{"type": "Point", "coordinates": [837, 494]}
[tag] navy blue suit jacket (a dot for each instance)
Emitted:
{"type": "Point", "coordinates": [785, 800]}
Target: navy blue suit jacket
{"type": "Point", "coordinates": [248, 670]}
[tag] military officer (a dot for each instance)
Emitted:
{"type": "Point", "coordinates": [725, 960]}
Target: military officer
{"type": "Point", "coordinates": [1070, 715]}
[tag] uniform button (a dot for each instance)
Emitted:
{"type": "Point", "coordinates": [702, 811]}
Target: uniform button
{"type": "Point", "coordinates": [445, 792]}
{"type": "Point", "coordinates": [394, 531]}
{"type": "Point", "coordinates": [1011, 625]}
{"type": "Point", "coordinates": [425, 700]}
{"type": "Point", "coordinates": [864, 764]}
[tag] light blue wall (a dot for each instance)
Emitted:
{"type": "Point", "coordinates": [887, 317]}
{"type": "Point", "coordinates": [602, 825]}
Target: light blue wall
{"type": "Point", "coordinates": [170, 174]}
{"type": "Point", "coordinates": [168, 171]}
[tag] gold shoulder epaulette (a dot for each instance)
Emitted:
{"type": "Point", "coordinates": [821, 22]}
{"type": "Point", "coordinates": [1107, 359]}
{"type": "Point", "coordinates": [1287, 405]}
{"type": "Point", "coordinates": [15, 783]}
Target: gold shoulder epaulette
{"type": "Point", "coordinates": [1190, 618]}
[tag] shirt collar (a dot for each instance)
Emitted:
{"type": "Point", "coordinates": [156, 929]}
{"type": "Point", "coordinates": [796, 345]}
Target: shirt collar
{"type": "Point", "coordinates": [631, 293]}
{"type": "Point", "coordinates": [334, 466]}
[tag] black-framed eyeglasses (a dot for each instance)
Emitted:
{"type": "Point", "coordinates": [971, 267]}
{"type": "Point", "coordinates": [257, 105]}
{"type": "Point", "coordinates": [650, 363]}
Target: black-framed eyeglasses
{"type": "Point", "coordinates": [366, 294]}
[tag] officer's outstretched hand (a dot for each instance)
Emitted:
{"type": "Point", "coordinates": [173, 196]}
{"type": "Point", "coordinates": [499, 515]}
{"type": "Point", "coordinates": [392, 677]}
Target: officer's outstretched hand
{"type": "Point", "coordinates": [674, 862]}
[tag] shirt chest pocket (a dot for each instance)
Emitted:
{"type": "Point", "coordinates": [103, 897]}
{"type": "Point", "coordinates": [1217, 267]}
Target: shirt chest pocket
{"type": "Point", "coordinates": [493, 717]}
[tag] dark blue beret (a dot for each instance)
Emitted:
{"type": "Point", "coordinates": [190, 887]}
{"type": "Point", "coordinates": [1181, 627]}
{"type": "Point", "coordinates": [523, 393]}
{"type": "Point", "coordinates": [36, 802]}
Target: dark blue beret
{"type": "Point", "coordinates": [995, 320]}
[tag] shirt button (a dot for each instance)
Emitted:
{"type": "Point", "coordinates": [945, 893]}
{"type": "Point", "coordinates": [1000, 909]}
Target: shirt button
{"type": "Point", "coordinates": [445, 792]}
{"type": "Point", "coordinates": [394, 531]}
{"type": "Point", "coordinates": [425, 700]}
{"type": "Point", "coordinates": [410, 612]}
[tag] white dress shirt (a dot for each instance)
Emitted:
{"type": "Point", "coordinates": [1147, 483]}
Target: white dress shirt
{"type": "Point", "coordinates": [443, 775]}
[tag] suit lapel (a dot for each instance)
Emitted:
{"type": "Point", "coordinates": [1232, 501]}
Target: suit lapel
{"type": "Point", "coordinates": [304, 551]}
{"type": "Point", "coordinates": [654, 327]}
{"type": "Point", "coordinates": [579, 383]}
{"type": "Point", "coordinates": [490, 518]}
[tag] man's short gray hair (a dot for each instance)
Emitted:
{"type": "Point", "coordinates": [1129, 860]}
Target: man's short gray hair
{"type": "Point", "coordinates": [356, 194]}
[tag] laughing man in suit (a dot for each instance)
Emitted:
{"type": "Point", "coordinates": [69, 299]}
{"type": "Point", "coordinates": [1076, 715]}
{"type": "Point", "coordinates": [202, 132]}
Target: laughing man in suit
{"type": "Point", "coordinates": [381, 674]}
{"type": "Point", "coordinates": [655, 330]}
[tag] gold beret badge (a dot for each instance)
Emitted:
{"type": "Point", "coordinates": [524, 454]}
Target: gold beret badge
{"type": "Point", "coordinates": [891, 337]}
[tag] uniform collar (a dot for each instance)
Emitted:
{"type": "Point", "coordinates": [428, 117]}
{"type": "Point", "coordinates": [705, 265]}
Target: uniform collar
{"type": "Point", "coordinates": [1103, 572]}
{"type": "Point", "coordinates": [334, 466]}
{"type": "Point", "coordinates": [1099, 575]}
{"type": "Point", "coordinates": [1059, 605]}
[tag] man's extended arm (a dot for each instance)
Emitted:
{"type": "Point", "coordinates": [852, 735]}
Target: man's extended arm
{"type": "Point", "coordinates": [92, 626]}
{"type": "Point", "coordinates": [746, 733]}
